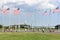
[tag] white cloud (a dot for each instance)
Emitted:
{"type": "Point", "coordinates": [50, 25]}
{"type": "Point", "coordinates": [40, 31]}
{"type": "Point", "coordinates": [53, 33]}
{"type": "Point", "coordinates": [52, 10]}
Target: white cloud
{"type": "Point", "coordinates": [20, 2]}
{"type": "Point", "coordinates": [51, 6]}
{"type": "Point", "coordinates": [43, 3]}
{"type": "Point", "coordinates": [32, 2]}
{"type": "Point", "coordinates": [46, 4]}
{"type": "Point", "coordinates": [29, 2]}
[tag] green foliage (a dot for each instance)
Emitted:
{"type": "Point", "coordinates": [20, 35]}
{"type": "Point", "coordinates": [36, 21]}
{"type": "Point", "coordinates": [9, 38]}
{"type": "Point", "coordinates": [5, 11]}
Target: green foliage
{"type": "Point", "coordinates": [24, 26]}
{"type": "Point", "coordinates": [0, 26]}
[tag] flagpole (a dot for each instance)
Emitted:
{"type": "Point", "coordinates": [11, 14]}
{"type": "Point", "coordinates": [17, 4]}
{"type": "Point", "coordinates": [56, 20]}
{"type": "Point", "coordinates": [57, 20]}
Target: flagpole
{"type": "Point", "coordinates": [19, 24]}
{"type": "Point", "coordinates": [45, 14]}
{"type": "Point", "coordinates": [18, 28]}
{"type": "Point", "coordinates": [58, 18]}
{"type": "Point", "coordinates": [32, 21]}
{"type": "Point", "coordinates": [3, 29]}
{"type": "Point", "coordinates": [15, 20]}
{"type": "Point", "coordinates": [16, 13]}
{"type": "Point", "coordinates": [49, 17]}
{"type": "Point", "coordinates": [1, 18]}
{"type": "Point", "coordinates": [15, 23]}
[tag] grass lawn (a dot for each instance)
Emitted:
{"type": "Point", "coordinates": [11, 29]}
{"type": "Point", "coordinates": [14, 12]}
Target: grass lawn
{"type": "Point", "coordinates": [28, 36]}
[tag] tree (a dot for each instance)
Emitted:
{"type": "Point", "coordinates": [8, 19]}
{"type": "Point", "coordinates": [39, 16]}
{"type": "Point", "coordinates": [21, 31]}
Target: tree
{"type": "Point", "coordinates": [1, 26]}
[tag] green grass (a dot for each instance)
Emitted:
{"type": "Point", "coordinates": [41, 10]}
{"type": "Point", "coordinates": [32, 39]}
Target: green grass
{"type": "Point", "coordinates": [28, 36]}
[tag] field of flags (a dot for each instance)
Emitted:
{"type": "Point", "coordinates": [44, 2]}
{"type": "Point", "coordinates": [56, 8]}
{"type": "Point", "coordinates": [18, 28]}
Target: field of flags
{"type": "Point", "coordinates": [17, 11]}
{"type": "Point", "coordinates": [7, 10]}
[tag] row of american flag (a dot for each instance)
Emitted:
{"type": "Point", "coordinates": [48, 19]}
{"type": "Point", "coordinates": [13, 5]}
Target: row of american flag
{"type": "Point", "coordinates": [17, 11]}
{"type": "Point", "coordinates": [56, 10]}
{"type": "Point", "coordinates": [7, 11]}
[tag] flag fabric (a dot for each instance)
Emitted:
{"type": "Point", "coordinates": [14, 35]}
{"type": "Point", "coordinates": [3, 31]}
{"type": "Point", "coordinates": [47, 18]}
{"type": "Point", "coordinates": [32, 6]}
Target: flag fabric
{"type": "Point", "coordinates": [45, 13]}
{"type": "Point", "coordinates": [5, 11]}
{"type": "Point", "coordinates": [16, 11]}
{"type": "Point", "coordinates": [56, 10]}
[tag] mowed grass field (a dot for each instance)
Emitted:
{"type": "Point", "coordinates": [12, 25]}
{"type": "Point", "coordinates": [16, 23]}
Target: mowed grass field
{"type": "Point", "coordinates": [28, 36]}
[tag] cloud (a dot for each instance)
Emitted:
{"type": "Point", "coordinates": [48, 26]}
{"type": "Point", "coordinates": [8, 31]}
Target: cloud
{"type": "Point", "coordinates": [42, 3]}
{"type": "Point", "coordinates": [47, 5]}
{"type": "Point", "coordinates": [32, 2]}
{"type": "Point", "coordinates": [51, 6]}
{"type": "Point", "coordinates": [29, 2]}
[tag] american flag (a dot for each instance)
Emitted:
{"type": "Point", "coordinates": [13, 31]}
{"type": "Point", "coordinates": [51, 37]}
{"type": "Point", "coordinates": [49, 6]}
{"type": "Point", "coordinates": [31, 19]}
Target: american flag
{"type": "Point", "coordinates": [5, 11]}
{"type": "Point", "coordinates": [16, 11]}
{"type": "Point", "coordinates": [56, 10]}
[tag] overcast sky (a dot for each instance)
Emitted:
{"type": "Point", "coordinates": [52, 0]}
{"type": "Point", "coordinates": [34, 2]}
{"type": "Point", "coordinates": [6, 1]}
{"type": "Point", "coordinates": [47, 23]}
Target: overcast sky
{"type": "Point", "coordinates": [31, 12]}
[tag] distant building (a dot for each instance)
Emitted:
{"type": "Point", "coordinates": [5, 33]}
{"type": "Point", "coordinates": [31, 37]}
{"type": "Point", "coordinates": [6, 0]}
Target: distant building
{"type": "Point", "coordinates": [57, 27]}
{"type": "Point", "coordinates": [24, 26]}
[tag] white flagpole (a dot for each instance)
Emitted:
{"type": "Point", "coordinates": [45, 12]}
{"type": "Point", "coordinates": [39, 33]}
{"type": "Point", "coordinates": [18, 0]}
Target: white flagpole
{"type": "Point", "coordinates": [15, 28]}
{"type": "Point", "coordinates": [19, 27]}
{"type": "Point", "coordinates": [3, 30]}
{"type": "Point", "coordinates": [58, 14]}
{"type": "Point", "coordinates": [49, 18]}
{"type": "Point", "coordinates": [32, 21]}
